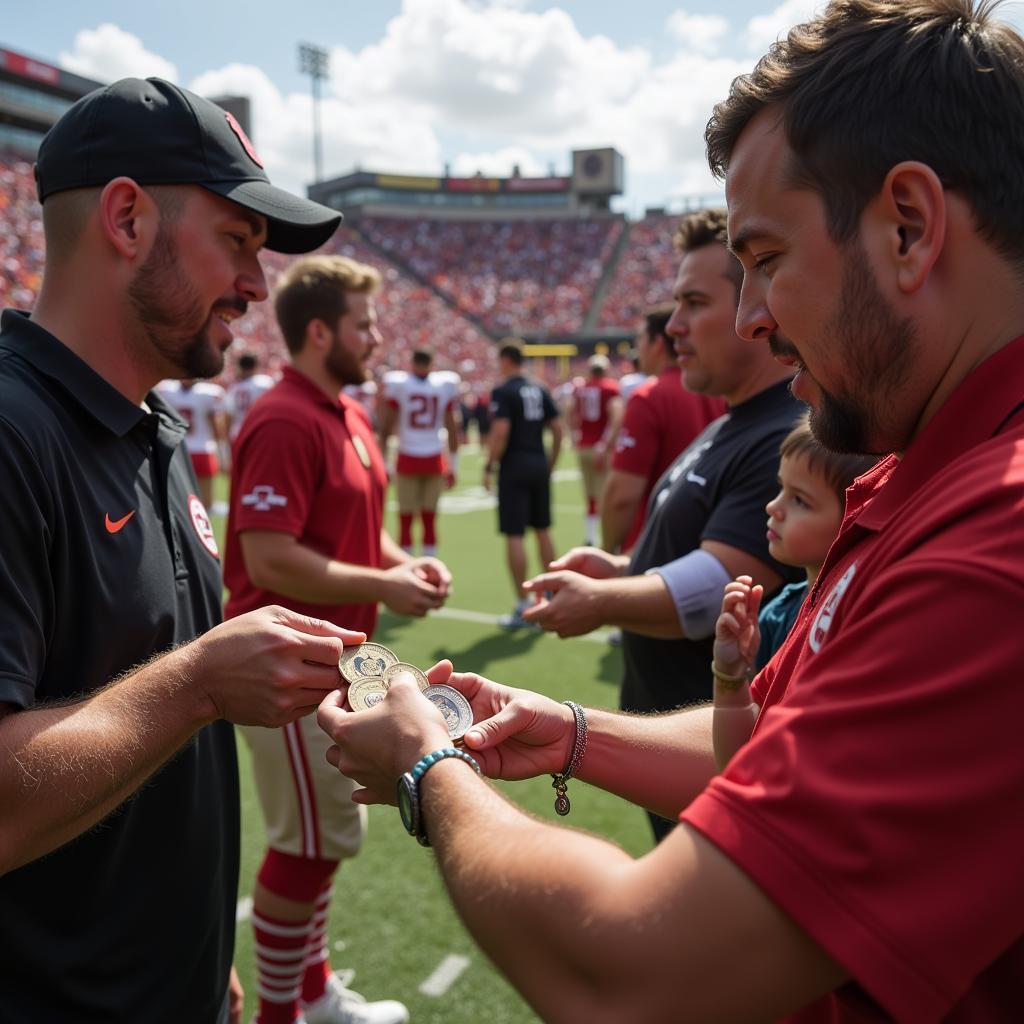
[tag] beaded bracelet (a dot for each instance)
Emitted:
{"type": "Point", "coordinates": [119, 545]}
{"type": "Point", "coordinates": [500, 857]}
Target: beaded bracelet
{"type": "Point", "coordinates": [419, 769]}
{"type": "Point", "coordinates": [579, 745]}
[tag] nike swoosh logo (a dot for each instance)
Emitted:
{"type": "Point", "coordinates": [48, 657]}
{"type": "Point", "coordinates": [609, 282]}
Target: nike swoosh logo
{"type": "Point", "coordinates": [114, 526]}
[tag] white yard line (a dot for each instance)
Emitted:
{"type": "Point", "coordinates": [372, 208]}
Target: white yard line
{"type": "Point", "coordinates": [243, 910]}
{"type": "Point", "coordinates": [445, 975]}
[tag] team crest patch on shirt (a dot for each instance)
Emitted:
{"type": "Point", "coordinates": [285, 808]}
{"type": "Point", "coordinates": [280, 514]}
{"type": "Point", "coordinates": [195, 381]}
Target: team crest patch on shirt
{"type": "Point", "coordinates": [823, 620]}
{"type": "Point", "coordinates": [361, 451]}
{"type": "Point", "coordinates": [262, 498]}
{"type": "Point", "coordinates": [201, 524]}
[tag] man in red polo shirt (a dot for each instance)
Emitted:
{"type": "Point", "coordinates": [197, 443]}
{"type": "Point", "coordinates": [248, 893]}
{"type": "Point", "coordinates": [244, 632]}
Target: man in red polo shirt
{"type": "Point", "coordinates": [306, 531]}
{"type": "Point", "coordinates": [859, 858]}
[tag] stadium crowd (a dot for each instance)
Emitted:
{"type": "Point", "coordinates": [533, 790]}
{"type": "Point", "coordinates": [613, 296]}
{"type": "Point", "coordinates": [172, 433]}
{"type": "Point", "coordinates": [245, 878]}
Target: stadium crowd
{"type": "Point", "coordinates": [515, 276]}
{"type": "Point", "coordinates": [21, 234]}
{"type": "Point", "coordinates": [643, 272]}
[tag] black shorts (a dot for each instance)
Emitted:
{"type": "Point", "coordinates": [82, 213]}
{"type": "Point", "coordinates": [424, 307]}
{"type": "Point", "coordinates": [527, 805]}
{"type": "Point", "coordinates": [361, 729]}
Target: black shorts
{"type": "Point", "coordinates": [524, 497]}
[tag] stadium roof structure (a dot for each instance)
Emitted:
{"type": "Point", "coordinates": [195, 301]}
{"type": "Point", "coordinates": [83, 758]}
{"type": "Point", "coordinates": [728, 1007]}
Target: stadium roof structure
{"type": "Point", "coordinates": [597, 175]}
{"type": "Point", "coordinates": [34, 94]}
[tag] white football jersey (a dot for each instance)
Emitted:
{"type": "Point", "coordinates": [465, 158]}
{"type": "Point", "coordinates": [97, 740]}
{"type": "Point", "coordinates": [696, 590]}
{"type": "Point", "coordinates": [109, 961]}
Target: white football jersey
{"type": "Point", "coordinates": [366, 395]}
{"type": "Point", "coordinates": [195, 405]}
{"type": "Point", "coordinates": [629, 382]}
{"type": "Point", "coordinates": [242, 394]}
{"type": "Point", "coordinates": [421, 404]}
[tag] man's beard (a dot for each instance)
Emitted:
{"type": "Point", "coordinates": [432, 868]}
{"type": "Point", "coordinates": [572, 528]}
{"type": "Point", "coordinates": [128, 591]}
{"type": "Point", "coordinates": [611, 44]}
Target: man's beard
{"type": "Point", "coordinates": [343, 366]}
{"type": "Point", "coordinates": [877, 349]}
{"type": "Point", "coordinates": [166, 303]}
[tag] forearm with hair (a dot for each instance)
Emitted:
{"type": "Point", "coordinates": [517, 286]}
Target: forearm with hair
{"type": "Point", "coordinates": [640, 604]}
{"type": "Point", "coordinates": [660, 761]}
{"type": "Point", "coordinates": [66, 766]}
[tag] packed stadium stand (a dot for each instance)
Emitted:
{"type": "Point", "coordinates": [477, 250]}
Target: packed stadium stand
{"type": "Point", "coordinates": [453, 286]}
{"type": "Point", "coordinates": [643, 274]}
{"type": "Point", "coordinates": [514, 276]}
{"type": "Point", "coordinates": [466, 261]}
{"type": "Point", "coordinates": [21, 233]}
{"type": "Point", "coordinates": [411, 314]}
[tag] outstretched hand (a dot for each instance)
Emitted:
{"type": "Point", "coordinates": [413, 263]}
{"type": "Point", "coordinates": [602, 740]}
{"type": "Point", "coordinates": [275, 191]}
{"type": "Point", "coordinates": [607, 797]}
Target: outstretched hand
{"type": "Point", "coordinates": [517, 734]}
{"type": "Point", "coordinates": [568, 603]}
{"type": "Point", "coordinates": [270, 666]}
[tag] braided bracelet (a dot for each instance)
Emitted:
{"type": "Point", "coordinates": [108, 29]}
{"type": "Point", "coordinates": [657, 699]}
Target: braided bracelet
{"type": "Point", "coordinates": [730, 682]}
{"type": "Point", "coordinates": [579, 745]}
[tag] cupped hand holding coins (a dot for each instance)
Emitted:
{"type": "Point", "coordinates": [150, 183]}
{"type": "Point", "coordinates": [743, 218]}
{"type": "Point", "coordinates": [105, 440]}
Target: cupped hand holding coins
{"type": "Point", "coordinates": [515, 734]}
{"type": "Point", "coordinates": [369, 670]}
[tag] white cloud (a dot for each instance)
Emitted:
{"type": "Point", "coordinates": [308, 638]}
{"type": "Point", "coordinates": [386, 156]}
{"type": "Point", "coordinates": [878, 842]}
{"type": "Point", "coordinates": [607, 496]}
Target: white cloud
{"type": "Point", "coordinates": [498, 70]}
{"type": "Point", "coordinates": [374, 135]}
{"type": "Point", "coordinates": [700, 32]}
{"type": "Point", "coordinates": [481, 85]}
{"type": "Point", "coordinates": [506, 79]}
{"type": "Point", "coordinates": [765, 29]}
{"type": "Point", "coordinates": [108, 53]}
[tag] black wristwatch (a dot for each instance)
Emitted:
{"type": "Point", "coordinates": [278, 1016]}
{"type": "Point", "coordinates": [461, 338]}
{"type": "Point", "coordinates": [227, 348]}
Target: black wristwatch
{"type": "Point", "coordinates": [409, 808]}
{"type": "Point", "coordinates": [409, 791]}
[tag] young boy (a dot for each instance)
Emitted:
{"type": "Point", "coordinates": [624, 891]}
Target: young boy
{"type": "Point", "coordinates": [803, 520]}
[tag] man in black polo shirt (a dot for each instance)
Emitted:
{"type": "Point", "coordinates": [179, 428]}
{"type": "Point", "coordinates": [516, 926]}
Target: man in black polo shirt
{"type": "Point", "coordinates": [706, 515]}
{"type": "Point", "coordinates": [125, 776]}
{"type": "Point", "coordinates": [521, 410]}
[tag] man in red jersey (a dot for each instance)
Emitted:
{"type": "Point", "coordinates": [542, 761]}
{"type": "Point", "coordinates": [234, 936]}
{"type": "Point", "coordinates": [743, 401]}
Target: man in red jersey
{"type": "Point", "coordinates": [595, 415]}
{"type": "Point", "coordinates": [660, 419]}
{"type": "Point", "coordinates": [306, 530]}
{"type": "Point", "coordinates": [859, 858]}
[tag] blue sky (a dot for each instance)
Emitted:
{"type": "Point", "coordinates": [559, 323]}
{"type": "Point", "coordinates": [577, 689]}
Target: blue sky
{"type": "Point", "coordinates": [417, 84]}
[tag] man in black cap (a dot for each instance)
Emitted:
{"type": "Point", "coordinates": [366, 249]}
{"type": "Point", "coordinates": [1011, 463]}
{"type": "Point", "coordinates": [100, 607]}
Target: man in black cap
{"type": "Point", "coordinates": [155, 207]}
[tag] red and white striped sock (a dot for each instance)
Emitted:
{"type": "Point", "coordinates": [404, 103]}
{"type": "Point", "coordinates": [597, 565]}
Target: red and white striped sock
{"type": "Point", "coordinates": [280, 962]}
{"type": "Point", "coordinates": [317, 961]}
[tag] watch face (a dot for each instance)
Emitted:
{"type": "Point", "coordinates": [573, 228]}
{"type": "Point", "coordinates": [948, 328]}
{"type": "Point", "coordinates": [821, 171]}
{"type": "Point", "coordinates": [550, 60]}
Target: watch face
{"type": "Point", "coordinates": [407, 807]}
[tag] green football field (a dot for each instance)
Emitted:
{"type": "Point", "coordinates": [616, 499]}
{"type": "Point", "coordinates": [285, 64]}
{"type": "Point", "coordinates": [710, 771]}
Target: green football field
{"type": "Point", "coordinates": [391, 921]}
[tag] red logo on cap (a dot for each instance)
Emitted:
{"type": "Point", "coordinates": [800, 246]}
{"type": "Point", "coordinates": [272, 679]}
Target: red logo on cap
{"type": "Point", "coordinates": [243, 138]}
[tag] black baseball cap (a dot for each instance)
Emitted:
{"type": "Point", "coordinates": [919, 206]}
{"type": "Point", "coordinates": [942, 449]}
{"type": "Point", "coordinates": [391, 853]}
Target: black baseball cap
{"type": "Point", "coordinates": [159, 134]}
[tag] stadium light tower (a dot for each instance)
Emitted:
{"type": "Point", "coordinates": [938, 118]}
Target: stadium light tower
{"type": "Point", "coordinates": [313, 62]}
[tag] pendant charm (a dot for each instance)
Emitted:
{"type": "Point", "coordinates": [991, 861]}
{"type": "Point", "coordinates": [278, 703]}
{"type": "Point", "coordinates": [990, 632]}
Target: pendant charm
{"type": "Point", "coordinates": [562, 804]}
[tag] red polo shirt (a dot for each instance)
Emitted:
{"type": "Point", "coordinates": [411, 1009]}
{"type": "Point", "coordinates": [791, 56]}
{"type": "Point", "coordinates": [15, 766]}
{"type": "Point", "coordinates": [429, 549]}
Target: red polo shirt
{"type": "Point", "coordinates": [310, 467]}
{"type": "Point", "coordinates": [880, 801]}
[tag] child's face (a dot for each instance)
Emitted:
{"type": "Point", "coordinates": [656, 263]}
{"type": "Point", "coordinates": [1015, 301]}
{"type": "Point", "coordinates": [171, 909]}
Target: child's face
{"type": "Point", "coordinates": [804, 517]}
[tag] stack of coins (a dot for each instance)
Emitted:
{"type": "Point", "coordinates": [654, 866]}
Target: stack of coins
{"type": "Point", "coordinates": [369, 668]}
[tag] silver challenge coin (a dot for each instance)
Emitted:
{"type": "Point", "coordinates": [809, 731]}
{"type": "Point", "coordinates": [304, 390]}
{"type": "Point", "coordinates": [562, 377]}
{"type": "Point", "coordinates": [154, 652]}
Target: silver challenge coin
{"type": "Point", "coordinates": [454, 708]}
{"type": "Point", "coordinates": [366, 693]}
{"type": "Point", "coordinates": [367, 660]}
{"type": "Point", "coordinates": [404, 666]}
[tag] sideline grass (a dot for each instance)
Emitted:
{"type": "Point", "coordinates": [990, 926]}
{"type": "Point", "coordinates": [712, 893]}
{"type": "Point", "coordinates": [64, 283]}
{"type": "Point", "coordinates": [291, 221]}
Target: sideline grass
{"type": "Point", "coordinates": [391, 920]}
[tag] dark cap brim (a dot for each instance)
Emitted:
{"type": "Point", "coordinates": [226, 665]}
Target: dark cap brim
{"type": "Point", "coordinates": [294, 224]}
